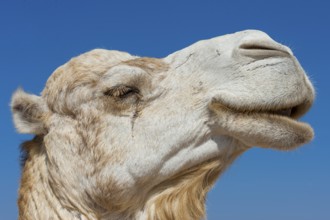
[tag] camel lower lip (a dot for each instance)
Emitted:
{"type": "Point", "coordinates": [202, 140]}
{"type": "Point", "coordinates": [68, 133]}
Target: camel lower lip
{"type": "Point", "coordinates": [285, 132]}
{"type": "Point", "coordinates": [275, 131]}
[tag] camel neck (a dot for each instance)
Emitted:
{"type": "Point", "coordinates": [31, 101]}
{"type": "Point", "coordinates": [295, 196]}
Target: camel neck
{"type": "Point", "coordinates": [39, 200]}
{"type": "Point", "coordinates": [36, 198]}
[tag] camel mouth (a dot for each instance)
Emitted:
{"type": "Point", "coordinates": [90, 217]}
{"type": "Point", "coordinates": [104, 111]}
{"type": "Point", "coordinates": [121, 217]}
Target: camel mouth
{"type": "Point", "coordinates": [284, 112]}
{"type": "Point", "coordinates": [276, 128]}
{"type": "Point", "coordinates": [290, 113]}
{"type": "Point", "coordinates": [293, 112]}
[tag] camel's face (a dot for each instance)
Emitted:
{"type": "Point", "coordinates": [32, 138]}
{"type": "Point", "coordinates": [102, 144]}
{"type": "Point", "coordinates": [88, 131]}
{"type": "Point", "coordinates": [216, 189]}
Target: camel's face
{"type": "Point", "coordinates": [256, 86]}
{"type": "Point", "coordinates": [127, 122]}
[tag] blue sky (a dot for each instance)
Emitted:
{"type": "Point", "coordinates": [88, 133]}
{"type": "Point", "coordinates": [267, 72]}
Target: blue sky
{"type": "Point", "coordinates": [37, 36]}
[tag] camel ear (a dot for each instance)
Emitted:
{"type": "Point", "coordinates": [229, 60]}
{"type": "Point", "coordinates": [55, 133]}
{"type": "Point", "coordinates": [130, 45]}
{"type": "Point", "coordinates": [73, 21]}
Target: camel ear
{"type": "Point", "coordinates": [28, 112]}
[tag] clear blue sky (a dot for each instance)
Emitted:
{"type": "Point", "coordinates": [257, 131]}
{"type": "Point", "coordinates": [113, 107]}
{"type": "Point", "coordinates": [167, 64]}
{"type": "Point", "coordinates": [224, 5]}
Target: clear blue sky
{"type": "Point", "coordinates": [36, 36]}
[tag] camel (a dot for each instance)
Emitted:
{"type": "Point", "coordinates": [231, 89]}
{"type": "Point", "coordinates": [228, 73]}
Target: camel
{"type": "Point", "coordinates": [123, 137]}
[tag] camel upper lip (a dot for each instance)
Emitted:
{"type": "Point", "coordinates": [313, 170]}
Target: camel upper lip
{"type": "Point", "coordinates": [293, 111]}
{"type": "Point", "coordinates": [292, 106]}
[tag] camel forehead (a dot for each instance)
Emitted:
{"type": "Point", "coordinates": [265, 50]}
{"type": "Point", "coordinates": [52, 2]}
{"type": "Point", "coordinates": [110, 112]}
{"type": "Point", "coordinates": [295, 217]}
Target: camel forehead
{"type": "Point", "coordinates": [86, 71]}
{"type": "Point", "coordinates": [90, 66]}
{"type": "Point", "coordinates": [86, 67]}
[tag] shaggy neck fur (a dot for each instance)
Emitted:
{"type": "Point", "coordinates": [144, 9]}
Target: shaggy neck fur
{"type": "Point", "coordinates": [180, 197]}
{"type": "Point", "coordinates": [183, 196]}
{"type": "Point", "coordinates": [36, 197]}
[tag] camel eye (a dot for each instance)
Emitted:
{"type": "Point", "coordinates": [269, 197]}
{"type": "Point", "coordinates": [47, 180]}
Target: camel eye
{"type": "Point", "coordinates": [121, 91]}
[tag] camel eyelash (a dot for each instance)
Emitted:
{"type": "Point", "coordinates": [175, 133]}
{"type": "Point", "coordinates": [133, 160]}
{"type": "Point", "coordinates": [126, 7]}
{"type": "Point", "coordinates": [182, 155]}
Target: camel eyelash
{"type": "Point", "coordinates": [121, 91]}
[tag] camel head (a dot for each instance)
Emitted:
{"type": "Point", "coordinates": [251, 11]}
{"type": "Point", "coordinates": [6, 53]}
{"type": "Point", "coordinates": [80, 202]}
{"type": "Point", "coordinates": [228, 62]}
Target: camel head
{"type": "Point", "coordinates": [122, 135]}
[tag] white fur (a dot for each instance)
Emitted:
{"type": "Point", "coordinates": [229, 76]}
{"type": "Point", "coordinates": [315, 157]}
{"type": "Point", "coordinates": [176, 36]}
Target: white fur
{"type": "Point", "coordinates": [208, 101]}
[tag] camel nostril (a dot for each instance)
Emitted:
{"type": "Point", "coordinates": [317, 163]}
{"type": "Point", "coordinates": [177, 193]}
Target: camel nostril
{"type": "Point", "coordinates": [262, 50]}
{"type": "Point", "coordinates": [256, 47]}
